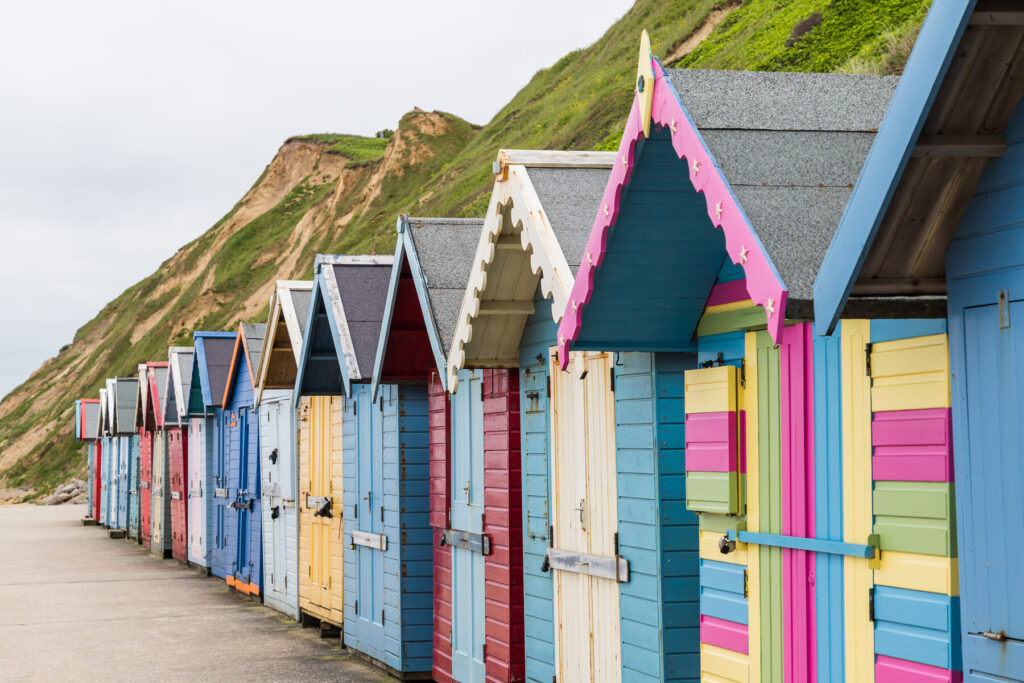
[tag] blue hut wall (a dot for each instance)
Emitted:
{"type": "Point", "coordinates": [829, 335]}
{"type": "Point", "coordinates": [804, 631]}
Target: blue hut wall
{"type": "Point", "coordinates": [535, 420]}
{"type": "Point", "coordinates": [105, 463]}
{"type": "Point", "coordinates": [245, 532]}
{"type": "Point", "coordinates": [225, 539]}
{"type": "Point", "coordinates": [121, 483]}
{"type": "Point", "coordinates": [657, 534]}
{"type": "Point", "coordinates": [280, 534]}
{"type": "Point", "coordinates": [133, 487]}
{"type": "Point", "coordinates": [985, 276]}
{"type": "Point", "coordinates": [389, 595]}
{"type": "Point", "coordinates": [202, 452]}
{"type": "Point", "coordinates": [90, 454]}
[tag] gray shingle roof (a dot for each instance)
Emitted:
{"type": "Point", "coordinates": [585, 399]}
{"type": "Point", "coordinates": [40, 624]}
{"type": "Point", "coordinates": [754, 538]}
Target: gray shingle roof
{"type": "Point", "coordinates": [254, 333]}
{"type": "Point", "coordinates": [126, 395]}
{"type": "Point", "coordinates": [791, 146]}
{"type": "Point", "coordinates": [300, 301]}
{"type": "Point", "coordinates": [570, 197]}
{"type": "Point", "coordinates": [445, 248]}
{"type": "Point", "coordinates": [91, 420]}
{"type": "Point", "coordinates": [218, 351]}
{"type": "Point", "coordinates": [364, 291]}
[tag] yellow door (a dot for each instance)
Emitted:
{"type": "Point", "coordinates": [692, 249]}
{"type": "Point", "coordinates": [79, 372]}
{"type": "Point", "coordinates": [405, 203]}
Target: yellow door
{"type": "Point", "coordinates": [321, 487]}
{"type": "Point", "coordinates": [585, 513]}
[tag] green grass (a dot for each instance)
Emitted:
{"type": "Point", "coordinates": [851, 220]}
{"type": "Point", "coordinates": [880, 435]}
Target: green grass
{"type": "Point", "coordinates": [580, 102]}
{"type": "Point", "coordinates": [356, 148]}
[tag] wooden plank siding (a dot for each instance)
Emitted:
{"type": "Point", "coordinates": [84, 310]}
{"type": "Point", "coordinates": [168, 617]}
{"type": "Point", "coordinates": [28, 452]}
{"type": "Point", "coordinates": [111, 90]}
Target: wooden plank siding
{"type": "Point", "coordinates": [439, 425]}
{"type": "Point", "coordinates": [503, 523]}
{"type": "Point", "coordinates": [535, 419]}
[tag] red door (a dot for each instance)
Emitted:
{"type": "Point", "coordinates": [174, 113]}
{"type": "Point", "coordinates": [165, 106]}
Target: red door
{"type": "Point", "coordinates": [177, 447]}
{"type": "Point", "coordinates": [145, 484]}
{"type": "Point", "coordinates": [97, 479]}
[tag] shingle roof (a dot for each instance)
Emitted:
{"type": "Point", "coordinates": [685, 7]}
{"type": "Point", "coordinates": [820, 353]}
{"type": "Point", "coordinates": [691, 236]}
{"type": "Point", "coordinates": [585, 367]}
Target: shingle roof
{"type": "Point", "coordinates": [254, 333]}
{"type": "Point", "coordinates": [791, 146]}
{"type": "Point", "coordinates": [126, 395]}
{"type": "Point", "coordinates": [570, 197]}
{"type": "Point", "coordinates": [445, 248]}
{"type": "Point", "coordinates": [363, 290]}
{"type": "Point", "coordinates": [300, 302]}
{"type": "Point", "coordinates": [218, 351]}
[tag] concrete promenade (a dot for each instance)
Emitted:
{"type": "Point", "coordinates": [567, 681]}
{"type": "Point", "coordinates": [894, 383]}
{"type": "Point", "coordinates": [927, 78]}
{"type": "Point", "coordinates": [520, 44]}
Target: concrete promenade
{"type": "Point", "coordinates": [76, 605]}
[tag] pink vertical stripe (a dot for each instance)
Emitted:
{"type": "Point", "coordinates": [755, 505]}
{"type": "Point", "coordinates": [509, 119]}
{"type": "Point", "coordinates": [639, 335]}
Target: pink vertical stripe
{"type": "Point", "coordinates": [743, 442]}
{"type": "Point", "coordinates": [796, 421]}
{"type": "Point", "coordinates": [912, 445]}
{"type": "Point", "coordinates": [724, 634]}
{"type": "Point", "coordinates": [728, 293]}
{"type": "Point", "coordinates": [892, 670]}
{"type": "Point", "coordinates": [711, 442]}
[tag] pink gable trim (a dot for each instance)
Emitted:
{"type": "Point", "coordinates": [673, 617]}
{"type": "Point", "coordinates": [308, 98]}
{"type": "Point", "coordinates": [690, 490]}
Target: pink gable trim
{"type": "Point", "coordinates": [912, 445]}
{"type": "Point", "coordinates": [892, 670]}
{"type": "Point", "coordinates": [763, 283]}
{"type": "Point", "coordinates": [724, 634]}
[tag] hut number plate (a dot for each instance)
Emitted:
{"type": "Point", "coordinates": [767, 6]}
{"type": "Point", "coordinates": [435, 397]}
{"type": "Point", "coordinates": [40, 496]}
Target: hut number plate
{"type": "Point", "coordinates": [603, 566]}
{"type": "Point", "coordinates": [220, 493]}
{"type": "Point", "coordinates": [365, 538]}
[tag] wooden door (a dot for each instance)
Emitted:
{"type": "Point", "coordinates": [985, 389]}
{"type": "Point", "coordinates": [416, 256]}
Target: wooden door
{"type": "Point", "coordinates": [320, 486]}
{"type": "Point", "coordinates": [989, 444]}
{"type": "Point", "coordinates": [196, 489]}
{"type": "Point", "coordinates": [585, 514]}
{"type": "Point", "coordinates": [369, 504]}
{"type": "Point", "coordinates": [467, 508]}
{"type": "Point", "coordinates": [123, 456]}
{"type": "Point", "coordinates": [243, 563]}
{"type": "Point", "coordinates": [273, 445]}
{"type": "Point", "coordinates": [219, 559]}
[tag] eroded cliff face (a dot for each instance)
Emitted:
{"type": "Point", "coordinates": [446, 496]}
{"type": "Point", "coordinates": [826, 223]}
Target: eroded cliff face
{"type": "Point", "coordinates": [307, 196]}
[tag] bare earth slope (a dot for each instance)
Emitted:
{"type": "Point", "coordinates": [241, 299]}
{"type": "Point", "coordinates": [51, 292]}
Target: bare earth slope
{"type": "Point", "coordinates": [342, 194]}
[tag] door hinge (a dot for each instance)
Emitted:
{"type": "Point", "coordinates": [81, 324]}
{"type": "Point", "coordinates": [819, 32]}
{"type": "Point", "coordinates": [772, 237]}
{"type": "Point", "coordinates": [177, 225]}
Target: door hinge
{"type": "Point", "coordinates": [743, 372]}
{"type": "Point", "coordinates": [615, 543]}
{"type": "Point", "coordinates": [611, 378]}
{"type": "Point", "coordinates": [355, 408]}
{"type": "Point", "coordinates": [551, 537]}
{"type": "Point", "coordinates": [357, 607]}
{"type": "Point", "coordinates": [746, 584]}
{"type": "Point", "coordinates": [483, 651]}
{"type": "Point", "coordinates": [382, 617]}
{"type": "Point", "coordinates": [451, 637]}
{"type": "Point", "coordinates": [382, 513]}
{"type": "Point", "coordinates": [871, 604]}
{"type": "Point", "coordinates": [355, 511]}
{"type": "Point", "coordinates": [867, 359]}
{"type": "Point", "coordinates": [549, 386]}
{"type": "Point", "coordinates": [311, 571]}
{"type": "Point", "coordinates": [1004, 311]}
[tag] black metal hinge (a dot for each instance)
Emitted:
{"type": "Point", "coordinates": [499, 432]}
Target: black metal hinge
{"type": "Point", "coordinates": [743, 372]}
{"type": "Point", "coordinates": [357, 607]}
{"type": "Point", "coordinates": [382, 513]}
{"type": "Point", "coordinates": [355, 408]}
{"type": "Point", "coordinates": [871, 604]}
{"type": "Point", "coordinates": [611, 377]}
{"type": "Point", "coordinates": [382, 617]}
{"type": "Point", "coordinates": [549, 386]}
{"type": "Point", "coordinates": [867, 359]}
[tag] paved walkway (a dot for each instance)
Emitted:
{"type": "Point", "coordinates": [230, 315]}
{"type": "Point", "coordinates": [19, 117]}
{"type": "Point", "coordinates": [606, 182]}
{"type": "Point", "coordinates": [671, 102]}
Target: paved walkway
{"type": "Point", "coordinates": [75, 604]}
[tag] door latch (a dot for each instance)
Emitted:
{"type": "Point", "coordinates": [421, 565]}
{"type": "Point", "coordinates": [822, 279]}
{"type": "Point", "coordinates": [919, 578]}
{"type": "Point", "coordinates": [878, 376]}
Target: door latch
{"type": "Point", "coordinates": [324, 510]}
{"type": "Point", "coordinates": [273, 457]}
{"type": "Point", "coordinates": [275, 512]}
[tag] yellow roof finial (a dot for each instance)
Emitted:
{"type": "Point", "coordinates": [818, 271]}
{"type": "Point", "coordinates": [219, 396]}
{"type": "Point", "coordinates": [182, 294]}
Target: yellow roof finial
{"type": "Point", "coordinates": [645, 82]}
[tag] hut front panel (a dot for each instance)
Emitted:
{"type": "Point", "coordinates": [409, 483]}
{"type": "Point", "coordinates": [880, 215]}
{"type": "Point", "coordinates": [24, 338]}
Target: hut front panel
{"type": "Point", "coordinates": [222, 552]}
{"type": "Point", "coordinates": [280, 514]}
{"type": "Point", "coordinates": [585, 512]}
{"type": "Point", "coordinates": [535, 424]}
{"type": "Point", "coordinates": [321, 563]}
{"type": "Point", "coordinates": [177, 452]}
{"type": "Point", "coordinates": [145, 486]}
{"type": "Point", "coordinates": [105, 457]}
{"type": "Point", "coordinates": [133, 488]}
{"type": "Point", "coordinates": [160, 510]}
{"type": "Point", "coordinates": [439, 421]}
{"type": "Point", "coordinates": [124, 459]}
{"type": "Point", "coordinates": [200, 490]}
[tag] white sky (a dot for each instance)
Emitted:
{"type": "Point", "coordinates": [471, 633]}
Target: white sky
{"type": "Point", "coordinates": [129, 128]}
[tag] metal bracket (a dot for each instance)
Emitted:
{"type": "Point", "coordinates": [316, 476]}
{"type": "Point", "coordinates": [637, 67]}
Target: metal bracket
{"type": "Point", "coordinates": [144, 485]}
{"type": "Point", "coordinates": [191, 492]}
{"type": "Point", "coordinates": [239, 505]}
{"type": "Point", "coordinates": [1004, 311]}
{"type": "Point", "coordinates": [175, 495]}
{"type": "Point", "coordinates": [220, 493]}
{"type": "Point", "coordinates": [315, 502]}
{"type": "Point", "coordinates": [365, 538]}
{"type": "Point", "coordinates": [478, 543]}
{"type": "Point", "coordinates": [869, 551]}
{"type": "Point", "coordinates": [603, 566]}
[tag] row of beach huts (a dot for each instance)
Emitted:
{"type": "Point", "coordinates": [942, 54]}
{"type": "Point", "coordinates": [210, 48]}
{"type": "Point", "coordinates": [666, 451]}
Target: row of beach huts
{"type": "Point", "coordinates": [708, 434]}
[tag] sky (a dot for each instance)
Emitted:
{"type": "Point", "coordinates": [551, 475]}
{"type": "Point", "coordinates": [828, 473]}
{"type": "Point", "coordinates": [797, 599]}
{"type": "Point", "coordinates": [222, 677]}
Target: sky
{"type": "Point", "coordinates": [129, 128]}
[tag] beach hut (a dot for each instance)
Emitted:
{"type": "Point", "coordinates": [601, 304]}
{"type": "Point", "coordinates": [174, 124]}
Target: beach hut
{"type": "Point", "coordinates": [207, 490]}
{"type": "Point", "coordinates": [528, 252]}
{"type": "Point", "coordinates": [97, 484]}
{"type": "Point", "coordinates": [384, 469]}
{"type": "Point", "coordinates": [475, 479]}
{"type": "Point", "coordinates": [105, 457]}
{"type": "Point", "coordinates": [176, 425]}
{"type": "Point", "coordinates": [114, 463]}
{"type": "Point", "coordinates": [146, 436]}
{"type": "Point", "coordinates": [126, 395]}
{"type": "Point", "coordinates": [241, 434]}
{"type": "Point", "coordinates": [87, 415]}
{"type": "Point", "coordinates": [809, 539]}
{"type": "Point", "coordinates": [937, 214]}
{"type": "Point", "coordinates": [160, 494]}
{"type": "Point", "coordinates": [275, 385]}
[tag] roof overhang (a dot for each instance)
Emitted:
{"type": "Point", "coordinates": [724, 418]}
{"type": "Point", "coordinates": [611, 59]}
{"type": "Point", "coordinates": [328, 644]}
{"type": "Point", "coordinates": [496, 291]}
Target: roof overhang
{"type": "Point", "coordinates": [281, 349]}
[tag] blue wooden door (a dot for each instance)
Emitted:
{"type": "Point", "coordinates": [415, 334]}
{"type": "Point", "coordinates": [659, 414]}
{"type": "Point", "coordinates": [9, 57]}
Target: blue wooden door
{"type": "Point", "coordinates": [222, 555]}
{"type": "Point", "coordinates": [369, 607]}
{"type": "Point", "coordinates": [254, 495]}
{"type": "Point", "coordinates": [242, 499]}
{"type": "Point", "coordinates": [467, 508]}
{"type": "Point", "coordinates": [122, 483]}
{"type": "Point", "coordinates": [990, 488]}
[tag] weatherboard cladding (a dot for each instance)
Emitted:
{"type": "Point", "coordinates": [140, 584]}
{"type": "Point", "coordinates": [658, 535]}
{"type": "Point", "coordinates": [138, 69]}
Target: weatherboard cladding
{"type": "Point", "coordinates": [791, 146]}
{"type": "Point", "coordinates": [445, 248]}
{"type": "Point", "coordinates": [363, 290]}
{"type": "Point", "coordinates": [569, 197]}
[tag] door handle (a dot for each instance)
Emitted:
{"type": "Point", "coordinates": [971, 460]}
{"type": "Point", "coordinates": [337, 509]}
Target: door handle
{"type": "Point", "coordinates": [579, 509]}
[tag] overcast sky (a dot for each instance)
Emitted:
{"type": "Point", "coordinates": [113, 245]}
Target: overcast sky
{"type": "Point", "coordinates": [128, 128]}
